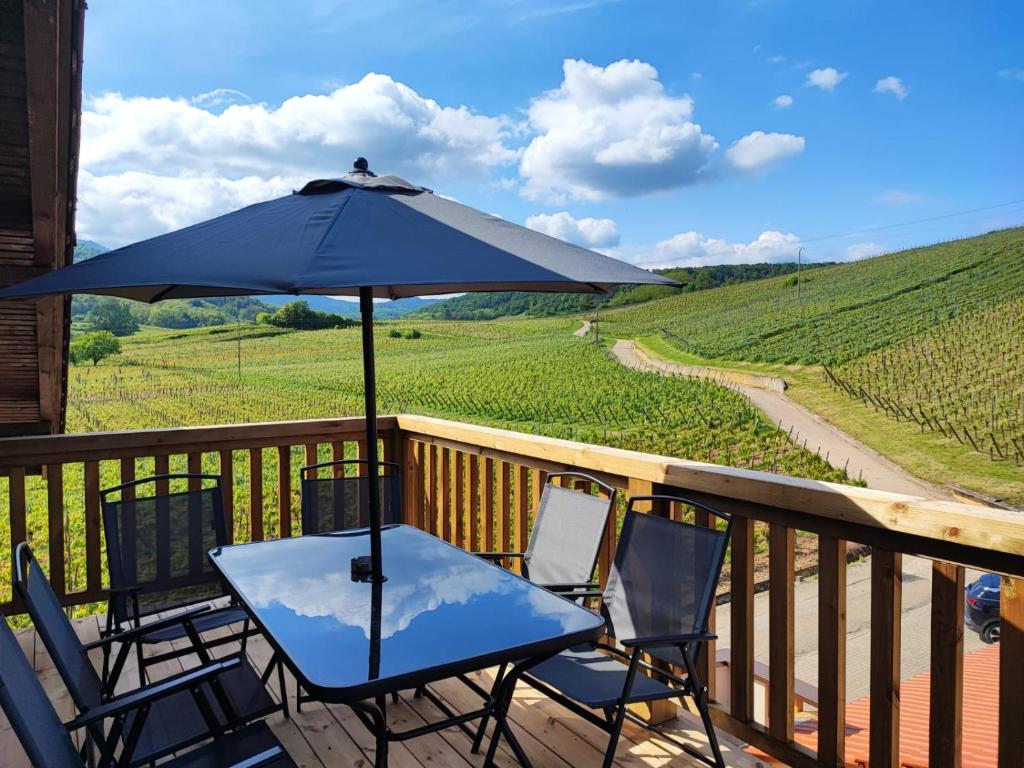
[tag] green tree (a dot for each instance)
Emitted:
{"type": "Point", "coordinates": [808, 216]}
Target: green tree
{"type": "Point", "coordinates": [297, 314]}
{"type": "Point", "coordinates": [93, 346]}
{"type": "Point", "coordinates": [113, 315]}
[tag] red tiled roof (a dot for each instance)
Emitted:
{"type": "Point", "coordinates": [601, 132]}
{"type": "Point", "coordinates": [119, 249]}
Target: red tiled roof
{"type": "Point", "coordinates": [980, 717]}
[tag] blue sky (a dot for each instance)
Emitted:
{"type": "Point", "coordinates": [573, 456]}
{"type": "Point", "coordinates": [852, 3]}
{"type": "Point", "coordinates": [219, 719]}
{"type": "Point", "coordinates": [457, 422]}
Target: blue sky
{"type": "Point", "coordinates": [651, 130]}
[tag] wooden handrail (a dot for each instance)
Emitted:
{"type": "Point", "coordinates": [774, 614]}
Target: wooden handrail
{"type": "Point", "coordinates": [477, 487]}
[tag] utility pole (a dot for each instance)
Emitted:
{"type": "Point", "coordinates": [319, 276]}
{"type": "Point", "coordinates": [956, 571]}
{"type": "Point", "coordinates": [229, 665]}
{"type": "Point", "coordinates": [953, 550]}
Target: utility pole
{"type": "Point", "coordinates": [799, 261]}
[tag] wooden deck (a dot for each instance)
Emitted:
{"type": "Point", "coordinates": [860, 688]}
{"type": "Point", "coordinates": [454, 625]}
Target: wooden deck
{"type": "Point", "coordinates": [329, 735]}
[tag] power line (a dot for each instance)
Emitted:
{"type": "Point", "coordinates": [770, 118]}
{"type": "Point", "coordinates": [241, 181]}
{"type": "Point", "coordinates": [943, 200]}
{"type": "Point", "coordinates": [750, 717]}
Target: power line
{"type": "Point", "coordinates": [911, 223]}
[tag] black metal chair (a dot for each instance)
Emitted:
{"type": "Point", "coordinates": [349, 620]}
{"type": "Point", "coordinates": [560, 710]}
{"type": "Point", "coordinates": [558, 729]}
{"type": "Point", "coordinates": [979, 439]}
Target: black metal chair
{"type": "Point", "coordinates": [48, 744]}
{"type": "Point", "coordinates": [156, 556]}
{"type": "Point", "coordinates": [221, 695]}
{"type": "Point", "coordinates": [566, 538]}
{"type": "Point", "coordinates": [341, 502]}
{"type": "Point", "coordinates": [660, 593]}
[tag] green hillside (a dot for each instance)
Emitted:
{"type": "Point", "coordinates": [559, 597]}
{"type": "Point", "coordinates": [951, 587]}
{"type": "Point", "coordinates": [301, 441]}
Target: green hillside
{"type": "Point", "coordinates": [491, 306]}
{"type": "Point", "coordinates": [841, 312]}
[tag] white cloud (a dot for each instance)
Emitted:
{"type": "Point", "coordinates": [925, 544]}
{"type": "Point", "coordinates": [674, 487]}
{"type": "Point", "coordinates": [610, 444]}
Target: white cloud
{"type": "Point", "coordinates": [1012, 73]}
{"type": "Point", "coordinates": [897, 197]}
{"type": "Point", "coordinates": [785, 101]}
{"type": "Point", "coordinates": [696, 76]}
{"type": "Point", "coordinates": [758, 150]}
{"type": "Point", "coordinates": [893, 85]}
{"type": "Point", "coordinates": [862, 251]}
{"type": "Point", "coordinates": [220, 97]}
{"type": "Point", "coordinates": [611, 131]}
{"type": "Point", "coordinates": [692, 249]}
{"type": "Point", "coordinates": [170, 162]}
{"type": "Point", "coordinates": [588, 232]}
{"type": "Point", "coordinates": [826, 79]}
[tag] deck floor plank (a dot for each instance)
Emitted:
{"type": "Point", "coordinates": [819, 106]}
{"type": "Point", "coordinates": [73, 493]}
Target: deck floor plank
{"type": "Point", "coordinates": [324, 736]}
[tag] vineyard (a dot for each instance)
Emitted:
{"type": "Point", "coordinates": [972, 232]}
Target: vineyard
{"type": "Point", "coordinates": [842, 312]}
{"type": "Point", "coordinates": [963, 378]}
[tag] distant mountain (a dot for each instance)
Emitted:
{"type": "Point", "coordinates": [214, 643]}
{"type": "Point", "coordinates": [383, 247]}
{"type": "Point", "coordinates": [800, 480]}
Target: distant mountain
{"type": "Point", "coordinates": [384, 310]}
{"type": "Point", "coordinates": [488, 306]}
{"type": "Point", "coordinates": [86, 249]}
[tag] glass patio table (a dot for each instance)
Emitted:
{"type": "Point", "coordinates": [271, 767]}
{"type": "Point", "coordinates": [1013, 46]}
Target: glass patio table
{"type": "Point", "coordinates": [442, 612]}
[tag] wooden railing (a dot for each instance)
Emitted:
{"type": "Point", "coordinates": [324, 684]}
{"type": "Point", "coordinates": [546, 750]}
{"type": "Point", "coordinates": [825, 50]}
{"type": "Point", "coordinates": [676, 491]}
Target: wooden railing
{"type": "Point", "coordinates": [477, 487]}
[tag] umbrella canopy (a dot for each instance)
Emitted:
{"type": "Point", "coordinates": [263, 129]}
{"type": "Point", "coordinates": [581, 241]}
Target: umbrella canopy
{"type": "Point", "coordinates": [335, 237]}
{"type": "Point", "coordinates": [366, 235]}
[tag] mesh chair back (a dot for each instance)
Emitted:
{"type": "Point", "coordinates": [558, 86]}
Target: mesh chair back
{"type": "Point", "coordinates": [567, 531]}
{"type": "Point", "coordinates": [28, 709]}
{"type": "Point", "coordinates": [157, 545]}
{"type": "Point", "coordinates": [665, 573]}
{"type": "Point", "coordinates": [54, 627]}
{"type": "Point", "coordinates": [340, 503]}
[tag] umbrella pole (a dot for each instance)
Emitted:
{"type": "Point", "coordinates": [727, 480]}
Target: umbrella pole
{"type": "Point", "coordinates": [372, 459]}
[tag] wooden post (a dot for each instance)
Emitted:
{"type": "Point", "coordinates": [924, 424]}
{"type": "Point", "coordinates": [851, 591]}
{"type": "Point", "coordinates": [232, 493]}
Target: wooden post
{"type": "Point", "coordinates": [886, 613]}
{"type": "Point", "coordinates": [284, 491]}
{"type": "Point", "coordinates": [831, 651]}
{"type": "Point", "coordinates": [93, 566]}
{"type": "Point", "coordinates": [255, 494]}
{"type": "Point", "coordinates": [55, 506]}
{"type": "Point", "coordinates": [488, 502]}
{"type": "Point", "coordinates": [227, 489]}
{"type": "Point", "coordinates": [945, 728]}
{"type": "Point", "coordinates": [707, 663]}
{"type": "Point", "coordinates": [445, 512]}
{"type": "Point", "coordinates": [741, 617]}
{"type": "Point", "coordinates": [16, 500]}
{"type": "Point", "coordinates": [1011, 673]}
{"type": "Point", "coordinates": [460, 523]}
{"type": "Point", "coordinates": [781, 632]}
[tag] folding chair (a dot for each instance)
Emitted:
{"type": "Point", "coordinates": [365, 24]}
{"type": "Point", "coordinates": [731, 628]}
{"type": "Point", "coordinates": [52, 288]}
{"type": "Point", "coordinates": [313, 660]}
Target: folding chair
{"type": "Point", "coordinates": [660, 593]}
{"type": "Point", "coordinates": [340, 502]}
{"type": "Point", "coordinates": [156, 557]}
{"type": "Point", "coordinates": [221, 695]}
{"type": "Point", "coordinates": [566, 538]}
{"type": "Point", "coordinates": [47, 741]}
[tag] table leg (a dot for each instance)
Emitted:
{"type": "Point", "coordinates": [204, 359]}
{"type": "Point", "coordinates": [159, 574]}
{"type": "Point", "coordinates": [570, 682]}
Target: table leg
{"type": "Point", "coordinates": [375, 713]}
{"type": "Point", "coordinates": [502, 702]}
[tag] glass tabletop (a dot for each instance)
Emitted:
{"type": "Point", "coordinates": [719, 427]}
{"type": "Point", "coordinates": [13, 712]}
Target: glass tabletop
{"type": "Point", "coordinates": [441, 611]}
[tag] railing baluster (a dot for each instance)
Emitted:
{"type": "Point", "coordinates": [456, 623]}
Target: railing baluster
{"type": "Point", "coordinates": [412, 474]}
{"type": "Point", "coordinates": [886, 608]}
{"type": "Point", "coordinates": [55, 506]}
{"type": "Point", "coordinates": [945, 727]}
{"type": "Point", "coordinates": [831, 651]}
{"type": "Point", "coordinates": [474, 503]}
{"type": "Point", "coordinates": [445, 512]}
{"type": "Point", "coordinates": [195, 467]}
{"type": "Point", "coordinates": [1011, 672]}
{"type": "Point", "coordinates": [431, 475]}
{"type": "Point", "coordinates": [338, 454]}
{"type": "Point", "coordinates": [284, 491]}
{"type": "Point", "coordinates": [227, 489]}
{"type": "Point", "coordinates": [312, 456]}
{"type": "Point", "coordinates": [741, 607]}
{"type": "Point", "coordinates": [522, 513]}
{"type": "Point", "coordinates": [16, 502]}
{"type": "Point", "coordinates": [781, 631]}
{"type": "Point", "coordinates": [488, 502]}
{"type": "Point", "coordinates": [93, 566]}
{"type": "Point", "coordinates": [502, 531]}
{"type": "Point", "coordinates": [459, 512]}
{"type": "Point", "coordinates": [707, 663]}
{"type": "Point", "coordinates": [255, 494]}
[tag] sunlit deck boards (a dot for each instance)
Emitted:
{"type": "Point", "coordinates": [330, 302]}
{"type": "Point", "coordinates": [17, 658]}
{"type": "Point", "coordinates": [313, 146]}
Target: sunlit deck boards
{"type": "Point", "coordinates": [332, 736]}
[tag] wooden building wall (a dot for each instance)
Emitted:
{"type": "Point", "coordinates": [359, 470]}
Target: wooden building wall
{"type": "Point", "coordinates": [40, 107]}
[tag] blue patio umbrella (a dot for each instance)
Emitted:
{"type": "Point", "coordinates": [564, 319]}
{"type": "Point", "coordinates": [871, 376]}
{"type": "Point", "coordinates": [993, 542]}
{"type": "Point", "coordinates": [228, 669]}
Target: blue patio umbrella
{"type": "Point", "coordinates": [360, 235]}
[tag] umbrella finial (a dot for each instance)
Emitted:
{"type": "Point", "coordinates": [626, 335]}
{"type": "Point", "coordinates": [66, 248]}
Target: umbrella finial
{"type": "Point", "coordinates": [361, 165]}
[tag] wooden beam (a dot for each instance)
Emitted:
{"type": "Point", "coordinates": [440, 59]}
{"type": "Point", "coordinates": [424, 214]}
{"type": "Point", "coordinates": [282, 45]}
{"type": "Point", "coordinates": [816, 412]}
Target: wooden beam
{"type": "Point", "coordinates": [284, 491]}
{"type": "Point", "coordinates": [741, 616]}
{"type": "Point", "coordinates": [945, 720]}
{"type": "Point", "coordinates": [886, 615]}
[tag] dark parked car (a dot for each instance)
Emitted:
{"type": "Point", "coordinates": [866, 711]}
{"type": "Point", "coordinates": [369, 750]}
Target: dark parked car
{"type": "Point", "coordinates": [981, 607]}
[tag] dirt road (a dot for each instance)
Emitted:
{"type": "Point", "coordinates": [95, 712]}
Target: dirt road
{"type": "Point", "coordinates": [818, 434]}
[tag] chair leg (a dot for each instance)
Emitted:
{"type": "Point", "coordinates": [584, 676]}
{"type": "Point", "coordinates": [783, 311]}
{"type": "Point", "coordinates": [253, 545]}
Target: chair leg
{"type": "Point", "coordinates": [284, 691]}
{"type": "Point", "coordinates": [245, 634]}
{"type": "Point", "coordinates": [141, 661]}
{"type": "Point", "coordinates": [620, 709]}
{"type": "Point", "coordinates": [700, 698]}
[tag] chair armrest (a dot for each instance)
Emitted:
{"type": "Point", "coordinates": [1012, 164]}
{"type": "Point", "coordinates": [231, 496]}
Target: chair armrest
{"type": "Point", "coordinates": [498, 555]}
{"type": "Point", "coordinates": [668, 640]}
{"type": "Point", "coordinates": [263, 758]}
{"type": "Point", "coordinates": [150, 693]}
{"type": "Point", "coordinates": [136, 633]}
